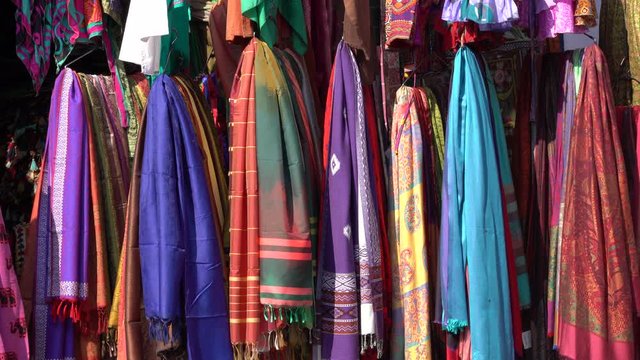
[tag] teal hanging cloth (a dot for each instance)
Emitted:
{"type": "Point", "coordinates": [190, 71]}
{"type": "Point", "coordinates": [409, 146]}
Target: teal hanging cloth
{"type": "Point", "coordinates": [472, 229]}
{"type": "Point", "coordinates": [265, 14]}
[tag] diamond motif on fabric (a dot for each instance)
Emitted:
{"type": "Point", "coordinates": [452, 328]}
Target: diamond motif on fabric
{"type": "Point", "coordinates": [347, 232]}
{"type": "Point", "coordinates": [335, 164]}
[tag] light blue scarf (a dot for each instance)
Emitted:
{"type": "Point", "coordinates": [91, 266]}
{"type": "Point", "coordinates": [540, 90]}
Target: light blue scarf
{"type": "Point", "coordinates": [472, 236]}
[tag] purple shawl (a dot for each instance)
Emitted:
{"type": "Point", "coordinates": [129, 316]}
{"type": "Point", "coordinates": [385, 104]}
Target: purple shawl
{"type": "Point", "coordinates": [63, 223]}
{"type": "Point", "coordinates": [339, 291]}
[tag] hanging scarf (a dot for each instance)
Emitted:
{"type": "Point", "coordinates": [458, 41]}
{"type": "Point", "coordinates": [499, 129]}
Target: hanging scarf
{"type": "Point", "coordinates": [173, 179]}
{"type": "Point", "coordinates": [132, 338]}
{"type": "Point", "coordinates": [594, 307]}
{"type": "Point", "coordinates": [284, 236]}
{"type": "Point", "coordinates": [67, 273]}
{"type": "Point", "coordinates": [244, 262]}
{"type": "Point", "coordinates": [339, 289]}
{"type": "Point", "coordinates": [14, 342]}
{"type": "Point", "coordinates": [208, 141]}
{"type": "Point", "coordinates": [410, 238]}
{"type": "Point", "coordinates": [472, 230]}
{"type": "Point", "coordinates": [516, 262]}
{"type": "Point", "coordinates": [265, 13]}
{"type": "Point", "coordinates": [558, 168]}
{"type": "Point", "coordinates": [54, 338]}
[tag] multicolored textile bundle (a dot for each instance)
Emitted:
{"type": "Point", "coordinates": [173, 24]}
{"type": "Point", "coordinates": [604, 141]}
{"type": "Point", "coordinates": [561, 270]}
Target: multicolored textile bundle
{"type": "Point", "coordinates": [77, 226]}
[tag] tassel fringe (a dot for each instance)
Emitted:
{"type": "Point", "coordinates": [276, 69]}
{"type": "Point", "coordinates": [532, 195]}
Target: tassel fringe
{"type": "Point", "coordinates": [66, 309]}
{"type": "Point", "coordinates": [167, 331]}
{"type": "Point", "coordinates": [245, 352]}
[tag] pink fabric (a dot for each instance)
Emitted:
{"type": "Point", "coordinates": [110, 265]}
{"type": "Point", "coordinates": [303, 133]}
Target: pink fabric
{"type": "Point", "coordinates": [14, 343]}
{"type": "Point", "coordinates": [557, 19]}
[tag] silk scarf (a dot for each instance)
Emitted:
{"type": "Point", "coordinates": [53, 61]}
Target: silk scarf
{"type": "Point", "coordinates": [54, 338]}
{"type": "Point", "coordinates": [177, 232]}
{"type": "Point", "coordinates": [472, 228]}
{"type": "Point", "coordinates": [593, 307]}
{"type": "Point", "coordinates": [284, 235]}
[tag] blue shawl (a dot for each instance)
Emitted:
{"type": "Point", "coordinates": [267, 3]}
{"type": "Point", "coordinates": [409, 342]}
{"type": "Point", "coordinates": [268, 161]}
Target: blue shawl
{"type": "Point", "coordinates": [472, 236]}
{"type": "Point", "coordinates": [182, 275]}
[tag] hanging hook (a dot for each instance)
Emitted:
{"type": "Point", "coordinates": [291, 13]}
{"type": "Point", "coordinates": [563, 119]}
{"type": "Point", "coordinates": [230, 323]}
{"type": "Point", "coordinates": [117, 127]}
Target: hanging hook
{"type": "Point", "coordinates": [171, 46]}
{"type": "Point", "coordinates": [93, 48]}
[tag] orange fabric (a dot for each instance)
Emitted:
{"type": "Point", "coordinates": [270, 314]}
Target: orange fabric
{"type": "Point", "coordinates": [244, 269]}
{"type": "Point", "coordinates": [238, 26]}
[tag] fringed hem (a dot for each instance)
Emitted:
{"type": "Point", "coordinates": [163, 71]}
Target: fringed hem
{"type": "Point", "coordinates": [370, 342]}
{"type": "Point", "coordinates": [167, 331]}
{"type": "Point", "coordinates": [454, 326]}
{"type": "Point", "coordinates": [296, 315]}
{"type": "Point", "coordinates": [109, 344]}
{"type": "Point", "coordinates": [65, 309]}
{"type": "Point", "coordinates": [245, 351]}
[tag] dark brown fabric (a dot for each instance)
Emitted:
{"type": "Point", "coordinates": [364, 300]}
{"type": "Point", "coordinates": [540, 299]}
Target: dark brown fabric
{"type": "Point", "coordinates": [133, 344]}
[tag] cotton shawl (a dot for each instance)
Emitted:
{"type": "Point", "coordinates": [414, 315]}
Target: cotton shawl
{"type": "Point", "coordinates": [597, 237]}
{"type": "Point", "coordinates": [473, 232]}
{"type": "Point", "coordinates": [244, 260]}
{"type": "Point", "coordinates": [182, 275]}
{"type": "Point", "coordinates": [339, 319]}
{"type": "Point", "coordinates": [285, 243]}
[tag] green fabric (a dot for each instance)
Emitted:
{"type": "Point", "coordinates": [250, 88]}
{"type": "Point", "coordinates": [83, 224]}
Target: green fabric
{"type": "Point", "coordinates": [577, 68]}
{"type": "Point", "coordinates": [282, 189]}
{"type": "Point", "coordinates": [264, 13]}
{"type": "Point", "coordinates": [179, 58]}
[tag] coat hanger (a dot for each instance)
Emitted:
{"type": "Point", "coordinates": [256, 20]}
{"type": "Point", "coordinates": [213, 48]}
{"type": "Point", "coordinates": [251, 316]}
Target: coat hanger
{"type": "Point", "coordinates": [590, 37]}
{"type": "Point", "coordinates": [93, 48]}
{"type": "Point", "coordinates": [171, 47]}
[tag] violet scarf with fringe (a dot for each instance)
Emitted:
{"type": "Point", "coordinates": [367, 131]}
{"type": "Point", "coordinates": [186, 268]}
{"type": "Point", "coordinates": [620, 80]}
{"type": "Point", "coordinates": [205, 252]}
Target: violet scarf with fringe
{"type": "Point", "coordinates": [179, 257]}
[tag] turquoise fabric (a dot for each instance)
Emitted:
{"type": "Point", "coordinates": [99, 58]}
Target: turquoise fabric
{"type": "Point", "coordinates": [265, 13]}
{"type": "Point", "coordinates": [524, 291]}
{"type": "Point", "coordinates": [473, 225]}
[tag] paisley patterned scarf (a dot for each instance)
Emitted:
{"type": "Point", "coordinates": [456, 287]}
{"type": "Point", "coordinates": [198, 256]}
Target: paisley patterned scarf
{"type": "Point", "coordinates": [593, 306]}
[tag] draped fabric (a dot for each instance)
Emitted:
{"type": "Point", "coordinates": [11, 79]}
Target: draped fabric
{"type": "Point", "coordinates": [410, 235]}
{"type": "Point", "coordinates": [132, 339]}
{"type": "Point", "coordinates": [595, 308]}
{"type": "Point", "coordinates": [264, 13]}
{"type": "Point", "coordinates": [284, 235]}
{"type": "Point", "coordinates": [34, 20]}
{"type": "Point", "coordinates": [55, 338]}
{"type": "Point", "coordinates": [517, 267]}
{"type": "Point", "coordinates": [176, 213]}
{"type": "Point", "coordinates": [338, 296]}
{"type": "Point", "coordinates": [557, 186]}
{"type": "Point", "coordinates": [226, 54]}
{"type": "Point", "coordinates": [214, 169]}
{"type": "Point", "coordinates": [483, 12]}
{"type": "Point", "coordinates": [14, 342]}
{"type": "Point", "coordinates": [473, 229]}
{"type": "Point", "coordinates": [244, 275]}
